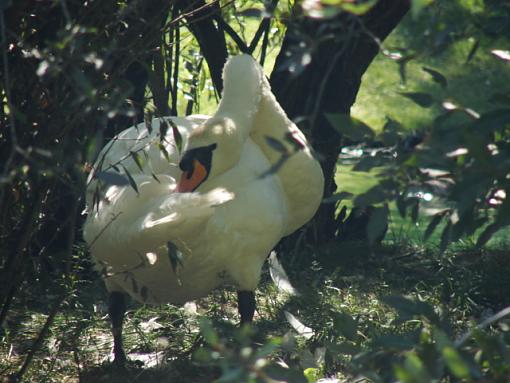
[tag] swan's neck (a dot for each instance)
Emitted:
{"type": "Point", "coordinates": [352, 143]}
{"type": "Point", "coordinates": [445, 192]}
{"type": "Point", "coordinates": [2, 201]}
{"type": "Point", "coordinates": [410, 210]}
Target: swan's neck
{"type": "Point", "coordinates": [242, 93]}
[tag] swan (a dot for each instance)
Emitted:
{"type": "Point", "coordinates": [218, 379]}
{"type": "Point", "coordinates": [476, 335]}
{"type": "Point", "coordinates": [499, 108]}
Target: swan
{"type": "Point", "coordinates": [180, 206]}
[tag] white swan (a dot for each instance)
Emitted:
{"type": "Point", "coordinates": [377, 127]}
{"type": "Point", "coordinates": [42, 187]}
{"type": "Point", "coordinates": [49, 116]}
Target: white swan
{"type": "Point", "coordinates": [224, 203]}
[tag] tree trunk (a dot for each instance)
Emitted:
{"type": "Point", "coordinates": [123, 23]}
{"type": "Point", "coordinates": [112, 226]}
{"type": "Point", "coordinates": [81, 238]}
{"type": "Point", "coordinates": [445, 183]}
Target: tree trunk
{"type": "Point", "coordinates": [341, 49]}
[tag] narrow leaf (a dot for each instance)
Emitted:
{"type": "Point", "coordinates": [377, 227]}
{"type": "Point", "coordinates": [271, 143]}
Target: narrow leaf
{"type": "Point", "coordinates": [437, 77]}
{"type": "Point", "coordinates": [130, 179]}
{"type": "Point", "coordinates": [432, 225]}
{"type": "Point", "coordinates": [137, 158]}
{"type": "Point", "coordinates": [112, 178]}
{"type": "Point", "coordinates": [163, 129]}
{"type": "Point", "coordinates": [174, 255]}
{"type": "Point", "coordinates": [163, 150]}
{"type": "Point", "coordinates": [473, 51]}
{"type": "Point", "coordinates": [177, 136]}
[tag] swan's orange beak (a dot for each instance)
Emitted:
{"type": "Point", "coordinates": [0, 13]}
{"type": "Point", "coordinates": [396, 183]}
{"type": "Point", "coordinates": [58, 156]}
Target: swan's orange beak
{"type": "Point", "coordinates": [190, 180]}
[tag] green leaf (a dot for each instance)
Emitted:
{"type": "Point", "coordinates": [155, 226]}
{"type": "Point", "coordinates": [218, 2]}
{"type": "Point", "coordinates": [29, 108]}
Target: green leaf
{"type": "Point", "coordinates": [413, 370]}
{"type": "Point", "coordinates": [408, 308]}
{"type": "Point", "coordinates": [163, 150]}
{"type": "Point", "coordinates": [138, 160]}
{"type": "Point", "coordinates": [424, 100]}
{"type": "Point", "coordinates": [130, 179]}
{"type": "Point", "coordinates": [357, 8]}
{"type": "Point", "coordinates": [350, 127]}
{"type": "Point", "coordinates": [377, 223]}
{"type": "Point", "coordinates": [457, 365]}
{"type": "Point", "coordinates": [163, 129]}
{"type": "Point", "coordinates": [282, 374]}
{"type": "Point", "coordinates": [112, 178]}
{"type": "Point", "coordinates": [433, 224]}
{"type": "Point", "coordinates": [209, 333]}
{"type": "Point", "coordinates": [473, 51]}
{"type": "Point", "coordinates": [345, 325]}
{"type": "Point", "coordinates": [174, 255]}
{"type": "Point", "coordinates": [495, 120]}
{"type": "Point", "coordinates": [177, 136]}
{"type": "Point", "coordinates": [437, 76]}
{"type": "Point", "coordinates": [417, 7]}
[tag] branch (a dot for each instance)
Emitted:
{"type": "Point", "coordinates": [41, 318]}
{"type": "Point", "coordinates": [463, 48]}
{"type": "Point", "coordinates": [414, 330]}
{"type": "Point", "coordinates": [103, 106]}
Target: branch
{"type": "Point", "coordinates": [223, 25]}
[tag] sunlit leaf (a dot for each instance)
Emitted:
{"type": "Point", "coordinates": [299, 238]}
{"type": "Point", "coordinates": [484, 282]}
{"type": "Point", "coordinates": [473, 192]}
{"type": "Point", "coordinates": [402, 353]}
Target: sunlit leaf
{"type": "Point", "coordinates": [138, 160]}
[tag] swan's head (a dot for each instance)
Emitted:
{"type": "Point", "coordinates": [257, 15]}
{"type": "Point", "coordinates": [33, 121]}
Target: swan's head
{"type": "Point", "coordinates": [212, 149]}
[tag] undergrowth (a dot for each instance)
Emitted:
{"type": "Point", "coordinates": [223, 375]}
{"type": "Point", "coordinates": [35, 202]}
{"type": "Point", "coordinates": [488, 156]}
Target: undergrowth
{"type": "Point", "coordinates": [358, 312]}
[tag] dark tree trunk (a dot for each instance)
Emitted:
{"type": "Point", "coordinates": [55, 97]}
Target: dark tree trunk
{"type": "Point", "coordinates": [200, 19]}
{"type": "Point", "coordinates": [341, 50]}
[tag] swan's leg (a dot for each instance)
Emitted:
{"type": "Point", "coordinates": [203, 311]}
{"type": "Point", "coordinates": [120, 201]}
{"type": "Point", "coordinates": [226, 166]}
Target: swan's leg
{"type": "Point", "coordinates": [117, 309]}
{"type": "Point", "coordinates": [246, 305]}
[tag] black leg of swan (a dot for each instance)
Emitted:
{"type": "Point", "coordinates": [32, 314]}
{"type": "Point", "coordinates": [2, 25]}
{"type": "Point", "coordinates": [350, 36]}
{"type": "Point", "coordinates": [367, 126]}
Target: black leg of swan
{"type": "Point", "coordinates": [246, 305]}
{"type": "Point", "coordinates": [117, 309]}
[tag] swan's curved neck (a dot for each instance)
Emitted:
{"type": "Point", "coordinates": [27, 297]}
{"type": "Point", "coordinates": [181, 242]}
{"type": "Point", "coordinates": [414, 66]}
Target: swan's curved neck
{"type": "Point", "coordinates": [242, 93]}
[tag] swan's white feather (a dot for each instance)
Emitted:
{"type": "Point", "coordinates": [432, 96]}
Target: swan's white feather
{"type": "Point", "coordinates": [226, 228]}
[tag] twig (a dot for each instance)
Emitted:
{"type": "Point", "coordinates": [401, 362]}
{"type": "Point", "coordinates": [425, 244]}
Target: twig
{"type": "Point", "coordinates": [14, 138]}
{"type": "Point", "coordinates": [265, 43]}
{"type": "Point", "coordinates": [262, 29]}
{"type": "Point", "coordinates": [104, 229]}
{"type": "Point", "coordinates": [40, 338]}
{"type": "Point", "coordinates": [233, 34]}
{"type": "Point", "coordinates": [487, 322]}
{"type": "Point", "coordinates": [176, 69]}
